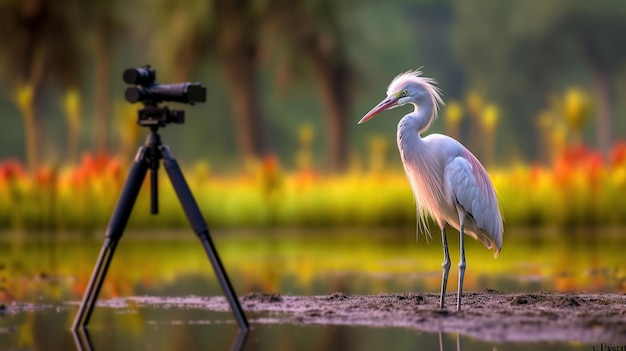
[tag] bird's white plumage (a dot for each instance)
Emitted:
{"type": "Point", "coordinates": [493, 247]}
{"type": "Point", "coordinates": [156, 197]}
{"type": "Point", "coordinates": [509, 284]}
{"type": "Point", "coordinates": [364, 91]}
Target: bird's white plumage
{"type": "Point", "coordinates": [427, 192]}
{"type": "Point", "coordinates": [448, 182]}
{"type": "Point", "coordinates": [443, 174]}
{"type": "Point", "coordinates": [466, 183]}
{"type": "Point", "coordinates": [447, 176]}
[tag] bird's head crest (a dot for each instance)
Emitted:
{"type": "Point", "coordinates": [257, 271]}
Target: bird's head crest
{"type": "Point", "coordinates": [415, 77]}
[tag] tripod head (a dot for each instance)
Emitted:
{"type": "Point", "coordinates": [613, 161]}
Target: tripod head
{"type": "Point", "coordinates": [151, 93]}
{"type": "Point", "coordinates": [146, 90]}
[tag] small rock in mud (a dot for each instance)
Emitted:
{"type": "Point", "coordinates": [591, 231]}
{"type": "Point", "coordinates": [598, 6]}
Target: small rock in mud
{"type": "Point", "coordinates": [440, 312]}
{"type": "Point", "coordinates": [262, 297]}
{"type": "Point", "coordinates": [566, 301]}
{"type": "Point", "coordinates": [337, 296]}
{"type": "Point", "coordinates": [411, 297]}
{"type": "Point", "coordinates": [314, 313]}
{"type": "Point", "coordinates": [417, 299]}
{"type": "Point", "coordinates": [519, 300]}
{"type": "Point", "coordinates": [491, 291]}
{"type": "Point", "coordinates": [525, 299]}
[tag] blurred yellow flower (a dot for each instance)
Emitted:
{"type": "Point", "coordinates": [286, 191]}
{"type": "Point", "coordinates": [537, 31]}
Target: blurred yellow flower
{"type": "Point", "coordinates": [306, 133]}
{"type": "Point", "coordinates": [576, 108]}
{"type": "Point", "coordinates": [474, 103]}
{"type": "Point", "coordinates": [490, 117]}
{"type": "Point", "coordinates": [454, 114]}
{"type": "Point", "coordinates": [71, 105]}
{"type": "Point", "coordinates": [24, 96]}
{"type": "Point", "coordinates": [378, 146]}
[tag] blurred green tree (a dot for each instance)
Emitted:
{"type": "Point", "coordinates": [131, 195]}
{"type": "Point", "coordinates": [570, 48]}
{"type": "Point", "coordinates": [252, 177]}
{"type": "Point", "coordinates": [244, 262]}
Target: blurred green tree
{"type": "Point", "coordinates": [232, 30]}
{"type": "Point", "coordinates": [104, 23]}
{"type": "Point", "coordinates": [227, 30]}
{"type": "Point", "coordinates": [313, 32]}
{"type": "Point", "coordinates": [520, 51]}
{"type": "Point", "coordinates": [37, 43]}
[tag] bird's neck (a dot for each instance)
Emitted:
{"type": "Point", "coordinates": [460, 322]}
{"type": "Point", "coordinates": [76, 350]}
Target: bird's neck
{"type": "Point", "coordinates": [419, 120]}
{"type": "Point", "coordinates": [412, 125]}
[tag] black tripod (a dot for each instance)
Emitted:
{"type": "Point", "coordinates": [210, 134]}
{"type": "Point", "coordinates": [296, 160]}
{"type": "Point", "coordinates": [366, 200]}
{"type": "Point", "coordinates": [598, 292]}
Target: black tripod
{"type": "Point", "coordinates": [148, 157]}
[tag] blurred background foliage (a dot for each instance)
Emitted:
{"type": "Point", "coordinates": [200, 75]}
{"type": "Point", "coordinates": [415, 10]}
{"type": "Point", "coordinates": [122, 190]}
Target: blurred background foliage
{"type": "Point", "coordinates": [535, 89]}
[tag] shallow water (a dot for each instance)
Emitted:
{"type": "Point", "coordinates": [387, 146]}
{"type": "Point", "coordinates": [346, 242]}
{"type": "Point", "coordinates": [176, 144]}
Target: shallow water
{"type": "Point", "coordinates": [175, 329]}
{"type": "Point", "coordinates": [51, 273]}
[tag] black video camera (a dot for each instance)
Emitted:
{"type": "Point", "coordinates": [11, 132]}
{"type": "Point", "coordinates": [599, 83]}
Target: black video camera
{"type": "Point", "coordinates": [150, 93]}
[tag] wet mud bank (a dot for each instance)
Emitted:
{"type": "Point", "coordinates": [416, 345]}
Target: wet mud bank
{"type": "Point", "coordinates": [487, 315]}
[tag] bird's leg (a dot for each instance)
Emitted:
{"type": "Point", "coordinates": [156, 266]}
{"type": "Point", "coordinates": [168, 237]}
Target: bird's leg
{"type": "Point", "coordinates": [440, 341]}
{"type": "Point", "coordinates": [445, 265]}
{"type": "Point", "coordinates": [462, 263]}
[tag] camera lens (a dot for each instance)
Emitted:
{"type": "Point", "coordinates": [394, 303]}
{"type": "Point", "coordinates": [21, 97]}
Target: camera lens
{"type": "Point", "coordinates": [139, 76]}
{"type": "Point", "coordinates": [133, 94]}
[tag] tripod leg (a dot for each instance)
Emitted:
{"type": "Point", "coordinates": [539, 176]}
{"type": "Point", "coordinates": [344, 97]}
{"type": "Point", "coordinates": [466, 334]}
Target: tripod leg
{"type": "Point", "coordinates": [114, 232]}
{"type": "Point", "coordinates": [202, 230]}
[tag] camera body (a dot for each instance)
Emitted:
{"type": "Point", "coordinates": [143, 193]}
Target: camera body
{"type": "Point", "coordinates": [150, 93]}
{"type": "Point", "coordinates": [159, 116]}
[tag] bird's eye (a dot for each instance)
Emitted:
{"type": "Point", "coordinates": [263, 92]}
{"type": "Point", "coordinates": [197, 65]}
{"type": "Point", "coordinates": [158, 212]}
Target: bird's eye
{"type": "Point", "coordinates": [404, 93]}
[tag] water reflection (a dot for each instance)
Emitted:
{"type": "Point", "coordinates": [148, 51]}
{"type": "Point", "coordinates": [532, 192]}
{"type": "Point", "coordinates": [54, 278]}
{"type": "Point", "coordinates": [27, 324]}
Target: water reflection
{"type": "Point", "coordinates": [181, 329]}
{"type": "Point", "coordinates": [83, 342]}
{"type": "Point", "coordinates": [310, 264]}
{"type": "Point", "coordinates": [357, 262]}
{"type": "Point", "coordinates": [82, 339]}
{"type": "Point", "coordinates": [458, 342]}
{"type": "Point", "coordinates": [264, 337]}
{"type": "Point", "coordinates": [240, 340]}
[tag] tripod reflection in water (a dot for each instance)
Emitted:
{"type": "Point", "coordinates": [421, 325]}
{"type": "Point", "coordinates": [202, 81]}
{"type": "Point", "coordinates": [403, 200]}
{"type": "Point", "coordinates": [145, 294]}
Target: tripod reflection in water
{"type": "Point", "coordinates": [82, 340]}
{"type": "Point", "coordinates": [458, 342]}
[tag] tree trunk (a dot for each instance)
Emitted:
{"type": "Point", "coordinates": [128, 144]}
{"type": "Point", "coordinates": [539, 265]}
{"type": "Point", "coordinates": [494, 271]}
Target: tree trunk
{"type": "Point", "coordinates": [600, 72]}
{"type": "Point", "coordinates": [237, 48]}
{"type": "Point", "coordinates": [251, 137]}
{"type": "Point", "coordinates": [27, 110]}
{"type": "Point", "coordinates": [27, 104]}
{"type": "Point", "coordinates": [604, 113]}
{"type": "Point", "coordinates": [331, 74]}
{"type": "Point", "coordinates": [102, 90]}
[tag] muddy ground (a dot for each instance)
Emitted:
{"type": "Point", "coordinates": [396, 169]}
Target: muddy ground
{"type": "Point", "coordinates": [487, 315]}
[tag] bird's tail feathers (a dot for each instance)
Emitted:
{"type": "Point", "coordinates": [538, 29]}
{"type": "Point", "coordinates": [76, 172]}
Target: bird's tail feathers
{"type": "Point", "coordinates": [486, 240]}
{"type": "Point", "coordinates": [493, 246]}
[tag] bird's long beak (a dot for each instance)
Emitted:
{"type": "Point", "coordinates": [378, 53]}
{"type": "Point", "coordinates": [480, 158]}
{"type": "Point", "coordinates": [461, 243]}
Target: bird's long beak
{"type": "Point", "coordinates": [389, 102]}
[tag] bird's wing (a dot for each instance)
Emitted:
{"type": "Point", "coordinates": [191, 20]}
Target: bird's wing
{"type": "Point", "coordinates": [467, 183]}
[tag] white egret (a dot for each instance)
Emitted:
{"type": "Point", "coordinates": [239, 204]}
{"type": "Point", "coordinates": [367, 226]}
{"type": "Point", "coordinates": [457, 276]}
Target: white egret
{"type": "Point", "coordinates": [448, 181]}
